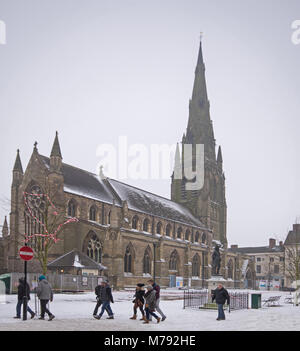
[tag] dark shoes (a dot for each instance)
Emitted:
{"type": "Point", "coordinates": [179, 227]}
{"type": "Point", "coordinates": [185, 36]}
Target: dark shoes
{"type": "Point", "coordinates": [97, 317]}
{"type": "Point", "coordinates": [110, 317]}
{"type": "Point", "coordinates": [51, 317]}
{"type": "Point", "coordinates": [163, 318]}
{"type": "Point", "coordinates": [16, 317]}
{"type": "Point", "coordinates": [42, 318]}
{"type": "Point", "coordinates": [32, 315]}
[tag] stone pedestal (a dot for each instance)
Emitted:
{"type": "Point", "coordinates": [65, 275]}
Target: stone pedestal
{"type": "Point", "coordinates": [214, 281]}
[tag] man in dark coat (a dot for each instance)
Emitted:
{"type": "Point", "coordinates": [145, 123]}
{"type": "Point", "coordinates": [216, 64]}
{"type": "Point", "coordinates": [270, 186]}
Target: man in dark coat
{"type": "Point", "coordinates": [99, 301]}
{"type": "Point", "coordinates": [139, 301]}
{"type": "Point", "coordinates": [21, 294]}
{"type": "Point", "coordinates": [221, 296]}
{"type": "Point", "coordinates": [106, 298]}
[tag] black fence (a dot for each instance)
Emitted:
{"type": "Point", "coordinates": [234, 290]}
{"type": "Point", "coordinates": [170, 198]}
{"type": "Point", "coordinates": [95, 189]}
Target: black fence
{"type": "Point", "coordinates": [202, 299]}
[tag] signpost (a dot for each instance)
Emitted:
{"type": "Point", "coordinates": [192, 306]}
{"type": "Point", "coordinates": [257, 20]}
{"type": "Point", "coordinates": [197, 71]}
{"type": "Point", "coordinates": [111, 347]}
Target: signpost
{"type": "Point", "coordinates": [26, 254]}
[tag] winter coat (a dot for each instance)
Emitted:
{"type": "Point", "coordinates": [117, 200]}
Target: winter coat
{"type": "Point", "coordinates": [150, 298]}
{"type": "Point", "coordinates": [139, 296]}
{"type": "Point", "coordinates": [221, 295]}
{"type": "Point", "coordinates": [156, 288]}
{"type": "Point", "coordinates": [44, 291]}
{"type": "Point", "coordinates": [21, 290]}
{"type": "Point", "coordinates": [105, 294]}
{"type": "Point", "coordinates": [98, 289]}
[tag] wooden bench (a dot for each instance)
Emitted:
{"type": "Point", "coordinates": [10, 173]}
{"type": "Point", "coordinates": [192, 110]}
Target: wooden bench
{"type": "Point", "coordinates": [271, 301]}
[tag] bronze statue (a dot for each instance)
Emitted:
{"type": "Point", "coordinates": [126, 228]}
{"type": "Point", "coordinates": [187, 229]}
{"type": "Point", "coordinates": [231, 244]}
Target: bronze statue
{"type": "Point", "coordinates": [216, 261]}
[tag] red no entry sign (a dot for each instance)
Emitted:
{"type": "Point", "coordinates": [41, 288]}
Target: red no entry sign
{"type": "Point", "coordinates": [26, 253]}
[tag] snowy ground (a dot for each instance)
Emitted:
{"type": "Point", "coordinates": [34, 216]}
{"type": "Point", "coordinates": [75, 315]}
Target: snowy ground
{"type": "Point", "coordinates": [74, 312]}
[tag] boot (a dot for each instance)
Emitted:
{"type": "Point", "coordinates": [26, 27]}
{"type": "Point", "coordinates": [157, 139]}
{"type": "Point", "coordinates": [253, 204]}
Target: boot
{"type": "Point", "coordinates": [133, 317]}
{"type": "Point", "coordinates": [51, 317]}
{"type": "Point", "coordinates": [32, 315]}
{"type": "Point", "coordinates": [146, 321]}
{"type": "Point", "coordinates": [158, 320]}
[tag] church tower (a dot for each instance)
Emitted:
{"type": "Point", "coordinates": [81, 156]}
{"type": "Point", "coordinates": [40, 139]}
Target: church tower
{"type": "Point", "coordinates": [208, 203]}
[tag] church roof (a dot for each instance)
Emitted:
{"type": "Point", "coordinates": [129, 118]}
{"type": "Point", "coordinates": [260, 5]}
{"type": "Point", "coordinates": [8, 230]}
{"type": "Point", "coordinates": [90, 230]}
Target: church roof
{"type": "Point", "coordinates": [90, 185]}
{"type": "Point", "coordinates": [142, 200]}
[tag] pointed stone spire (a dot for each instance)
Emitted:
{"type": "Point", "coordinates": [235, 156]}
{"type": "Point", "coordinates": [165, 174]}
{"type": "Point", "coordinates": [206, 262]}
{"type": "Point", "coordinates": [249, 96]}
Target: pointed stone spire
{"type": "Point", "coordinates": [18, 164]}
{"type": "Point", "coordinates": [219, 157]}
{"type": "Point", "coordinates": [200, 129]}
{"type": "Point", "coordinates": [5, 228]}
{"type": "Point", "coordinates": [55, 156]}
{"type": "Point", "coordinates": [56, 148]}
{"type": "Point", "coordinates": [177, 165]}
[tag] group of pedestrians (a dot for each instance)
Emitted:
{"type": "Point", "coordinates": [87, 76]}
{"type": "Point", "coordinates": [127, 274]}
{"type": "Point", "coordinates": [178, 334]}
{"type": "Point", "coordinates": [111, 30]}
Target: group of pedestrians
{"type": "Point", "coordinates": [146, 301]}
{"type": "Point", "coordinates": [44, 293]}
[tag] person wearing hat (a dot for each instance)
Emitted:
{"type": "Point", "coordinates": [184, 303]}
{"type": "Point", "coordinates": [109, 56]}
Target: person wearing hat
{"type": "Point", "coordinates": [21, 294]}
{"type": "Point", "coordinates": [150, 300]}
{"type": "Point", "coordinates": [139, 301]}
{"type": "Point", "coordinates": [44, 293]}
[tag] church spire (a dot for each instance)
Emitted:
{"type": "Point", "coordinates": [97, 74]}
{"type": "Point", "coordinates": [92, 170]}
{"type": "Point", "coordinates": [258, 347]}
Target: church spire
{"type": "Point", "coordinates": [56, 148]}
{"type": "Point", "coordinates": [5, 228]}
{"type": "Point", "coordinates": [18, 164]}
{"type": "Point", "coordinates": [200, 129]}
{"type": "Point", "coordinates": [55, 156]}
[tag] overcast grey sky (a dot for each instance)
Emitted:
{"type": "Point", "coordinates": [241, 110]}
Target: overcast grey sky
{"type": "Point", "coordinates": [95, 70]}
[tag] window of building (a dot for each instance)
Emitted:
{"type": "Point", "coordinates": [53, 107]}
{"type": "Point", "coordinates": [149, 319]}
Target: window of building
{"type": "Point", "coordinates": [94, 248]}
{"type": "Point", "coordinates": [168, 230]}
{"type": "Point", "coordinates": [276, 268]}
{"type": "Point", "coordinates": [135, 221]}
{"type": "Point", "coordinates": [187, 235]}
{"type": "Point", "coordinates": [179, 232]}
{"type": "Point", "coordinates": [203, 239]}
{"type": "Point", "coordinates": [72, 208]}
{"type": "Point", "coordinates": [128, 260]}
{"type": "Point", "coordinates": [173, 261]}
{"type": "Point", "coordinates": [92, 213]}
{"type": "Point", "coordinates": [146, 225]}
{"type": "Point", "coordinates": [258, 259]}
{"type": "Point", "coordinates": [258, 269]}
{"type": "Point", "coordinates": [147, 262]}
{"type": "Point", "coordinates": [196, 266]}
{"type": "Point", "coordinates": [159, 228]}
{"type": "Point", "coordinates": [197, 236]}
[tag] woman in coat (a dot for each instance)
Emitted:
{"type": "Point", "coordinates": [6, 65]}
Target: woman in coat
{"type": "Point", "coordinates": [139, 301]}
{"type": "Point", "coordinates": [44, 293]}
{"type": "Point", "coordinates": [150, 299]}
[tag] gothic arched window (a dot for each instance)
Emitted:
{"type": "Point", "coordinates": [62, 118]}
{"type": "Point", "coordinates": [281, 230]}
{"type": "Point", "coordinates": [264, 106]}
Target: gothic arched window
{"type": "Point", "coordinates": [173, 263]}
{"type": "Point", "coordinates": [196, 266]}
{"type": "Point", "coordinates": [72, 208]}
{"type": "Point", "coordinates": [203, 240]}
{"type": "Point", "coordinates": [108, 217]}
{"type": "Point", "coordinates": [94, 248]}
{"type": "Point", "coordinates": [92, 215]}
{"type": "Point", "coordinates": [128, 260]}
{"type": "Point", "coordinates": [168, 230]}
{"type": "Point", "coordinates": [147, 262]}
{"type": "Point", "coordinates": [197, 236]}
{"type": "Point", "coordinates": [179, 232]}
{"type": "Point", "coordinates": [135, 221]}
{"type": "Point", "coordinates": [158, 228]}
{"type": "Point", "coordinates": [146, 225]}
{"type": "Point", "coordinates": [187, 234]}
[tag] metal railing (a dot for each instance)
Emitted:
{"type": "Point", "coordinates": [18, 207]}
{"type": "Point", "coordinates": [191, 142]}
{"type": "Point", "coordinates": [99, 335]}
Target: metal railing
{"type": "Point", "coordinates": [202, 299]}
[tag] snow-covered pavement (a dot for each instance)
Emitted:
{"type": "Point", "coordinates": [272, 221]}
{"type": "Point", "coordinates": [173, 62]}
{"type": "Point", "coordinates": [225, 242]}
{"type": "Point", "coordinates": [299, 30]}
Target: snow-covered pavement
{"type": "Point", "coordinates": [74, 312]}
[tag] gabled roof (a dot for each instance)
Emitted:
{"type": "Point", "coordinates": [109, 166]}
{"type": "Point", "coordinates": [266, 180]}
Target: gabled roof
{"type": "Point", "coordinates": [144, 201]}
{"type": "Point", "coordinates": [90, 185]}
{"type": "Point", "coordinates": [77, 259]}
{"type": "Point", "coordinates": [83, 183]}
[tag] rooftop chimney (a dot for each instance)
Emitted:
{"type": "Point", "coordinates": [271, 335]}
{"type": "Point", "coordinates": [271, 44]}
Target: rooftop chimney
{"type": "Point", "coordinates": [272, 243]}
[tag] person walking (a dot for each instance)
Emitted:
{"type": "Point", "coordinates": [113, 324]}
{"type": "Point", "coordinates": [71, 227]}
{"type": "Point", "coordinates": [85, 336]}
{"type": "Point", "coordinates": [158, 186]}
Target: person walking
{"type": "Point", "coordinates": [21, 294]}
{"type": "Point", "coordinates": [44, 293]}
{"type": "Point", "coordinates": [156, 288]}
{"type": "Point", "coordinates": [139, 301]}
{"type": "Point", "coordinates": [221, 296]}
{"type": "Point", "coordinates": [106, 298]}
{"type": "Point", "coordinates": [98, 298]}
{"type": "Point", "coordinates": [150, 305]}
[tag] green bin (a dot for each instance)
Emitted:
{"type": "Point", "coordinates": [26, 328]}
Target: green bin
{"type": "Point", "coordinates": [255, 300]}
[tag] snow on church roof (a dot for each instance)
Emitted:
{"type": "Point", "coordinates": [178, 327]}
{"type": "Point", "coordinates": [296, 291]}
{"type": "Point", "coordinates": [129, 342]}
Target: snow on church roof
{"type": "Point", "coordinates": [87, 184]}
{"type": "Point", "coordinates": [144, 201]}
